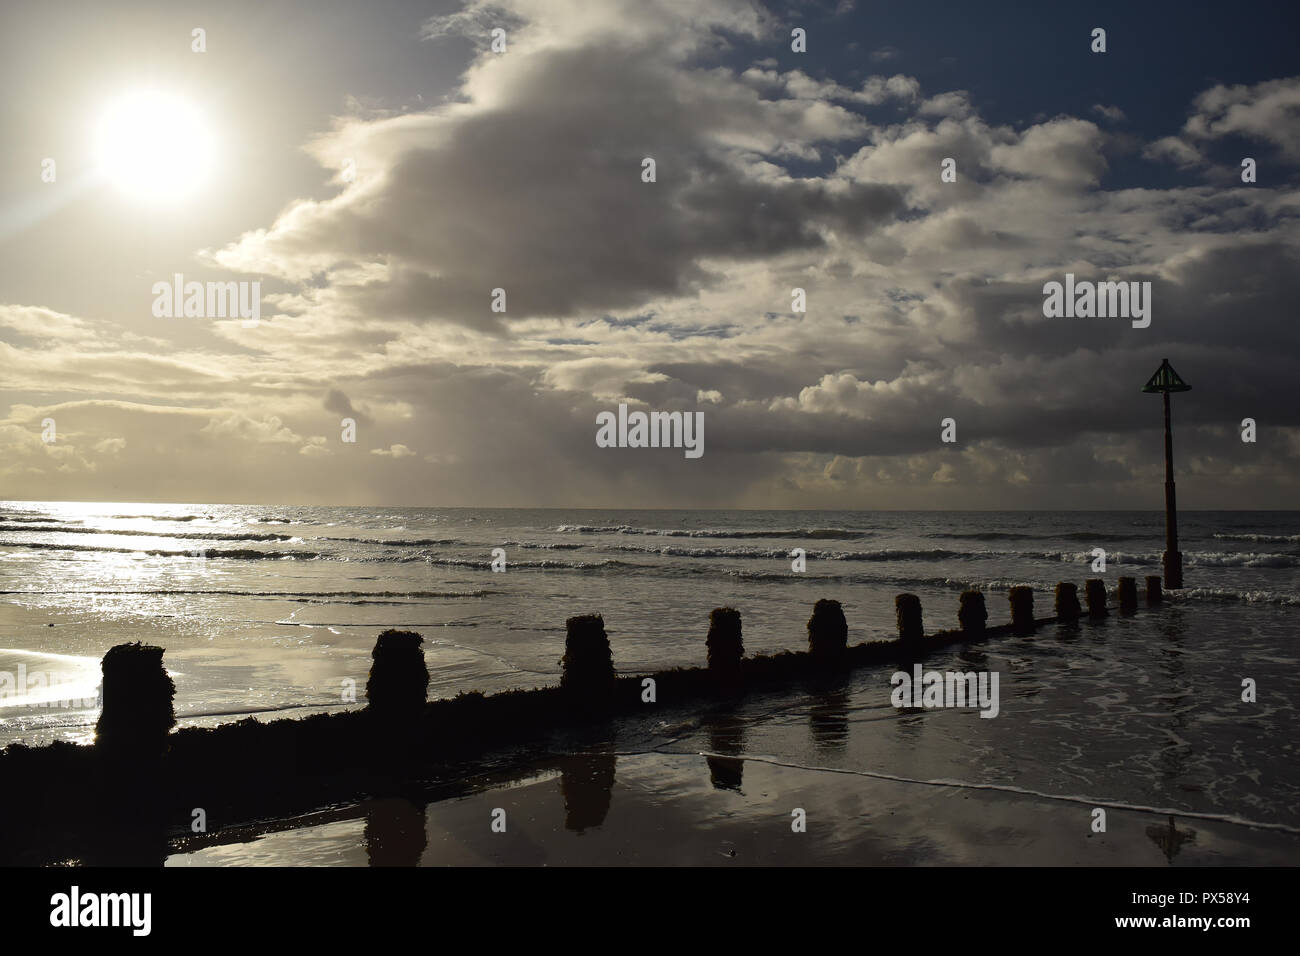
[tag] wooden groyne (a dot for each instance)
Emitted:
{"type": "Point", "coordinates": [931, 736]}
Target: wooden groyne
{"type": "Point", "coordinates": [142, 785]}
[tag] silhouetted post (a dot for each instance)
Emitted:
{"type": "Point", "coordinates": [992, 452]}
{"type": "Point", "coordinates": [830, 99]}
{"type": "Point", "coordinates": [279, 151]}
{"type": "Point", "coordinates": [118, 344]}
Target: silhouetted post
{"type": "Point", "coordinates": [1021, 599]}
{"type": "Point", "coordinates": [907, 609]}
{"type": "Point", "coordinates": [1154, 595]}
{"type": "Point", "coordinates": [1127, 592]}
{"type": "Point", "coordinates": [398, 684]}
{"type": "Point", "coordinates": [1095, 593]}
{"type": "Point", "coordinates": [135, 702]}
{"type": "Point", "coordinates": [724, 642]}
{"type": "Point", "coordinates": [972, 614]}
{"type": "Point", "coordinates": [1067, 601]}
{"type": "Point", "coordinates": [1166, 380]}
{"type": "Point", "coordinates": [828, 632]}
{"type": "Point", "coordinates": [588, 663]}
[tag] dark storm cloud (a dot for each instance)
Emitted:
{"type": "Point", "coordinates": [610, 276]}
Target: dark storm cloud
{"type": "Point", "coordinates": [337, 402]}
{"type": "Point", "coordinates": [541, 194]}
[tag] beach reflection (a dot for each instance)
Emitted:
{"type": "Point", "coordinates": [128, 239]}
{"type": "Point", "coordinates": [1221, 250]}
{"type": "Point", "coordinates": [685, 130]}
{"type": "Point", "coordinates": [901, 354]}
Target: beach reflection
{"type": "Point", "coordinates": [828, 718]}
{"type": "Point", "coordinates": [396, 831]}
{"type": "Point", "coordinates": [1170, 839]}
{"type": "Point", "coordinates": [726, 736]}
{"type": "Point", "coordinates": [586, 784]}
{"type": "Point", "coordinates": [1174, 756]}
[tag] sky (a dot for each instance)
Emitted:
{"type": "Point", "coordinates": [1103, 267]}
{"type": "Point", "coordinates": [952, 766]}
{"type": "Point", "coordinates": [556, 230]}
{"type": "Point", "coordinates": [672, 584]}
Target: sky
{"type": "Point", "coordinates": [379, 169]}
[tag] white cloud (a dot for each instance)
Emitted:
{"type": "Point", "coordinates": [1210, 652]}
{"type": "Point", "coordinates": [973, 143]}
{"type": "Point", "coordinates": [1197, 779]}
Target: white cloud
{"type": "Point", "coordinates": [1171, 149]}
{"type": "Point", "coordinates": [1268, 111]}
{"type": "Point", "coordinates": [393, 451]}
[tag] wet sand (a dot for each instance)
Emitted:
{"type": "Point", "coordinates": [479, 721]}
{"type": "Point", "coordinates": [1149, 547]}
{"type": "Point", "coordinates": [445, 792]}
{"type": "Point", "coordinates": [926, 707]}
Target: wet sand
{"type": "Point", "coordinates": [681, 809]}
{"type": "Point", "coordinates": [1134, 714]}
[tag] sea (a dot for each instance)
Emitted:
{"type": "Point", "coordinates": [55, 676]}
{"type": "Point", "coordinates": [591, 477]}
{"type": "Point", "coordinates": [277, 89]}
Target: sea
{"type": "Point", "coordinates": [272, 611]}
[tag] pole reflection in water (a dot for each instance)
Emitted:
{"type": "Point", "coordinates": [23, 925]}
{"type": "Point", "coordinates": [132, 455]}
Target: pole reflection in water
{"type": "Point", "coordinates": [828, 717]}
{"type": "Point", "coordinates": [726, 736]}
{"type": "Point", "coordinates": [1174, 757]}
{"type": "Point", "coordinates": [1170, 839]}
{"type": "Point", "coordinates": [587, 784]}
{"type": "Point", "coordinates": [395, 831]}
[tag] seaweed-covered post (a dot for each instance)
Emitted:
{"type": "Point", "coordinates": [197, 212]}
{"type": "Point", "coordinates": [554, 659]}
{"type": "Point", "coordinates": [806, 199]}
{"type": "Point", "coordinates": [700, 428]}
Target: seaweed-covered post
{"type": "Point", "coordinates": [907, 608]}
{"type": "Point", "coordinates": [1095, 591]}
{"type": "Point", "coordinates": [971, 614]}
{"type": "Point", "coordinates": [399, 678]}
{"type": "Point", "coordinates": [1021, 599]}
{"type": "Point", "coordinates": [1067, 601]}
{"type": "Point", "coordinates": [724, 642]}
{"type": "Point", "coordinates": [828, 632]}
{"type": "Point", "coordinates": [1127, 592]}
{"type": "Point", "coordinates": [588, 663]}
{"type": "Point", "coordinates": [1154, 594]}
{"type": "Point", "coordinates": [136, 702]}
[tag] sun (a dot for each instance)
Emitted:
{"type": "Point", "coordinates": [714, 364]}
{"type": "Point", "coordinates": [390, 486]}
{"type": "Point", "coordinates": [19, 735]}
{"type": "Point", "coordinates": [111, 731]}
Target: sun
{"type": "Point", "coordinates": [154, 146]}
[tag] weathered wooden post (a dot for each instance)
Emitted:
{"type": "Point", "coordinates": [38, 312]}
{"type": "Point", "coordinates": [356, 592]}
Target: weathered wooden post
{"type": "Point", "coordinates": [724, 642]}
{"type": "Point", "coordinates": [398, 684]}
{"type": "Point", "coordinates": [972, 615]}
{"type": "Point", "coordinates": [1095, 594]}
{"type": "Point", "coordinates": [1166, 380]}
{"type": "Point", "coordinates": [907, 610]}
{"type": "Point", "coordinates": [128, 789]}
{"type": "Point", "coordinates": [1021, 599]}
{"type": "Point", "coordinates": [135, 702]}
{"type": "Point", "coordinates": [828, 632]}
{"type": "Point", "coordinates": [1067, 601]}
{"type": "Point", "coordinates": [1127, 593]}
{"type": "Point", "coordinates": [1154, 595]}
{"type": "Point", "coordinates": [588, 663]}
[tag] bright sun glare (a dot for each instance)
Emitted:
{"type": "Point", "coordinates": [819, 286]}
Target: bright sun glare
{"type": "Point", "coordinates": [154, 146]}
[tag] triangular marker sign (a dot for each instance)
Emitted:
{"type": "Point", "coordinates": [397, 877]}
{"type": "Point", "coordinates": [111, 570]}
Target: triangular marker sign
{"type": "Point", "coordinates": [1166, 380]}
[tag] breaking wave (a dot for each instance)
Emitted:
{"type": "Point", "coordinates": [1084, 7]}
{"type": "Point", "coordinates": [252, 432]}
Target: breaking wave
{"type": "Point", "coordinates": [128, 532]}
{"type": "Point", "coordinates": [813, 533]}
{"type": "Point", "coordinates": [239, 554]}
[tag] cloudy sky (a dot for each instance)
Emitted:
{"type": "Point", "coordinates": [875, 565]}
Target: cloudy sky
{"type": "Point", "coordinates": [379, 168]}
